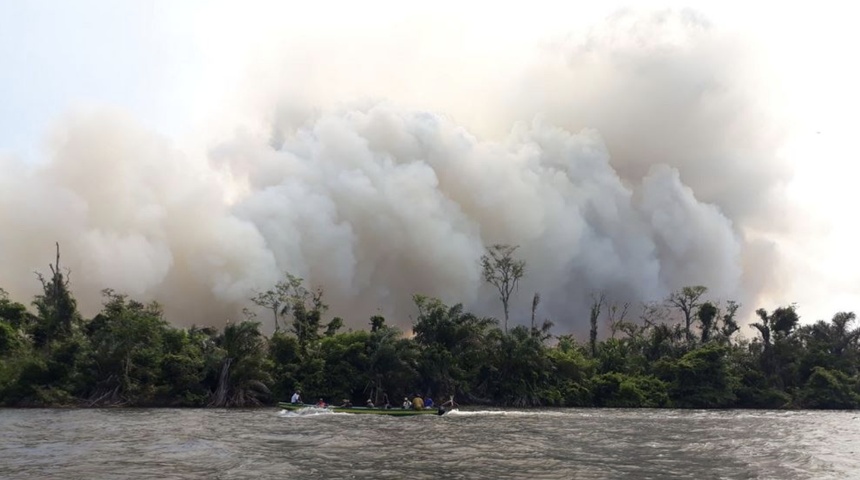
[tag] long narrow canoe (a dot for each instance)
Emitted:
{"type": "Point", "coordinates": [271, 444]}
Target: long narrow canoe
{"type": "Point", "coordinates": [398, 412]}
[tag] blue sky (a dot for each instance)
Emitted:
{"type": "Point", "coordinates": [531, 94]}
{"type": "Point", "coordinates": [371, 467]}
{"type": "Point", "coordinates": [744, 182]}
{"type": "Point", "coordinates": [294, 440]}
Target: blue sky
{"type": "Point", "coordinates": [60, 56]}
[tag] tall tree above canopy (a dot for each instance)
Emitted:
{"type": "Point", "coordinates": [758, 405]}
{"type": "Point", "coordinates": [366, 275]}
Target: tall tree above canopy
{"type": "Point", "coordinates": [707, 318]}
{"type": "Point", "coordinates": [307, 310]}
{"type": "Point", "coordinates": [57, 309]}
{"type": "Point", "coordinates": [597, 303]}
{"type": "Point", "coordinates": [503, 271]}
{"type": "Point", "coordinates": [290, 297]}
{"type": "Point", "coordinates": [278, 298]}
{"type": "Point", "coordinates": [687, 301]}
{"type": "Point", "coordinates": [781, 322]}
{"type": "Point", "coordinates": [730, 325]}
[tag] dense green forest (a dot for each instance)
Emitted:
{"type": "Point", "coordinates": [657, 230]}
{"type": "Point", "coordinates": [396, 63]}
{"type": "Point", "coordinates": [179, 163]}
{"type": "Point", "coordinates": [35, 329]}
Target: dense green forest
{"type": "Point", "coordinates": [682, 352]}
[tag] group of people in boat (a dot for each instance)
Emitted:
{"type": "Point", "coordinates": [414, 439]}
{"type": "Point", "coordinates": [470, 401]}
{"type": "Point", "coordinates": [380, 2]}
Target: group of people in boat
{"type": "Point", "coordinates": [417, 403]}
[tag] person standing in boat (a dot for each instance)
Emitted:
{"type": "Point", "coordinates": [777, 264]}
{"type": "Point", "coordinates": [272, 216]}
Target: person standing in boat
{"type": "Point", "coordinates": [296, 398]}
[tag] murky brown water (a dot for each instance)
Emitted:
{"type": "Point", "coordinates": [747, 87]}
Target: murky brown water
{"type": "Point", "coordinates": [562, 444]}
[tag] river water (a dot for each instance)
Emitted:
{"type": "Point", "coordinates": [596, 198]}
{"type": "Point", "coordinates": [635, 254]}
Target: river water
{"type": "Point", "coordinates": [546, 444]}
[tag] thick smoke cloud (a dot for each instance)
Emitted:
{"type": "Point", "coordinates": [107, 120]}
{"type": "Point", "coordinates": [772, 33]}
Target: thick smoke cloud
{"type": "Point", "coordinates": [629, 167]}
{"type": "Point", "coordinates": [668, 87]}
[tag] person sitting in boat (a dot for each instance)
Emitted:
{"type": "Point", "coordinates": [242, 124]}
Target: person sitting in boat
{"type": "Point", "coordinates": [428, 402]}
{"type": "Point", "coordinates": [321, 403]}
{"type": "Point", "coordinates": [346, 403]}
{"type": "Point", "coordinates": [406, 403]}
{"type": "Point", "coordinates": [296, 398]}
{"type": "Point", "coordinates": [369, 403]}
{"type": "Point", "coordinates": [418, 402]}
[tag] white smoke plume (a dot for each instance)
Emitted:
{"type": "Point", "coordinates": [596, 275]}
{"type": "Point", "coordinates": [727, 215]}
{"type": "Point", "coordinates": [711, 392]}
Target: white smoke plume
{"type": "Point", "coordinates": [634, 160]}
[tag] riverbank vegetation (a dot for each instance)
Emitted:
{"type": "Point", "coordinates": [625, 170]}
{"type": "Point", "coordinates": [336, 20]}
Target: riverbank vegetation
{"type": "Point", "coordinates": [682, 352]}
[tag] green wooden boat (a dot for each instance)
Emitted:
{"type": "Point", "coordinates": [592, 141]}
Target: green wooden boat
{"type": "Point", "coordinates": [397, 412]}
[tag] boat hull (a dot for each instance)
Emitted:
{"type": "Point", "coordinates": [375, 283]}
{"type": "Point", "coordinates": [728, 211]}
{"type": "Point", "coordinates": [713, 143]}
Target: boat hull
{"type": "Point", "coordinates": [396, 412]}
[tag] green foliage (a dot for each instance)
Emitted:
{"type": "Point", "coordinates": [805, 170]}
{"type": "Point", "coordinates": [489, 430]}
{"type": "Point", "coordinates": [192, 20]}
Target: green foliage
{"type": "Point", "coordinates": [10, 339]}
{"type": "Point", "coordinates": [392, 364]}
{"type": "Point", "coordinates": [184, 367]}
{"type": "Point", "coordinates": [620, 390]}
{"type": "Point", "coordinates": [829, 389]}
{"type": "Point", "coordinates": [128, 354]}
{"type": "Point", "coordinates": [333, 326]}
{"type": "Point", "coordinates": [453, 344]}
{"type": "Point", "coordinates": [347, 365]}
{"type": "Point", "coordinates": [14, 314]}
{"type": "Point", "coordinates": [754, 390]}
{"type": "Point", "coordinates": [244, 378]}
{"type": "Point", "coordinates": [125, 350]}
{"type": "Point", "coordinates": [57, 308]}
{"type": "Point", "coordinates": [730, 325]}
{"type": "Point", "coordinates": [284, 364]}
{"type": "Point", "coordinates": [616, 355]}
{"type": "Point", "coordinates": [700, 379]}
{"type": "Point", "coordinates": [707, 319]}
{"type": "Point", "coordinates": [521, 369]}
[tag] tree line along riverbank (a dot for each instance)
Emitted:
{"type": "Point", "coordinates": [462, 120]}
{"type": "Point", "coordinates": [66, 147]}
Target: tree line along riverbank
{"type": "Point", "coordinates": [683, 352]}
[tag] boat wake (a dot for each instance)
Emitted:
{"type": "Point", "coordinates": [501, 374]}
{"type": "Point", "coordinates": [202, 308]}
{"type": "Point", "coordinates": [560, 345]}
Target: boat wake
{"type": "Point", "coordinates": [504, 413]}
{"type": "Point", "coordinates": [307, 412]}
{"type": "Point", "coordinates": [318, 411]}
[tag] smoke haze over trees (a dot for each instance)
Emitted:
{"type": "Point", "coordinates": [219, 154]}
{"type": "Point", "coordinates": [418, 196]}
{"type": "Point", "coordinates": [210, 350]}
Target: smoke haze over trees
{"type": "Point", "coordinates": [129, 355]}
{"type": "Point", "coordinates": [633, 158]}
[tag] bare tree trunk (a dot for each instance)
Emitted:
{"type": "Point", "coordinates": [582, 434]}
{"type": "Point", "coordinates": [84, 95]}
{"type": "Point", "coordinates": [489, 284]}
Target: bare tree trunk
{"type": "Point", "coordinates": [535, 302]}
{"type": "Point", "coordinates": [505, 304]}
{"type": "Point", "coordinates": [596, 304]}
{"type": "Point", "coordinates": [220, 397]}
{"type": "Point", "coordinates": [616, 317]}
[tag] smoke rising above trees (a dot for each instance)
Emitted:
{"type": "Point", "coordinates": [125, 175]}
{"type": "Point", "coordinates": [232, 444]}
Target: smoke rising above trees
{"type": "Point", "coordinates": [622, 168]}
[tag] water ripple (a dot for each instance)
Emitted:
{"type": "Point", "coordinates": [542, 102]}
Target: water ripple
{"type": "Point", "coordinates": [488, 444]}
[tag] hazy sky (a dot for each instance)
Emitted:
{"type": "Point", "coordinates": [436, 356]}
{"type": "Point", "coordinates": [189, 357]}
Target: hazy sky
{"type": "Point", "coordinates": [191, 151]}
